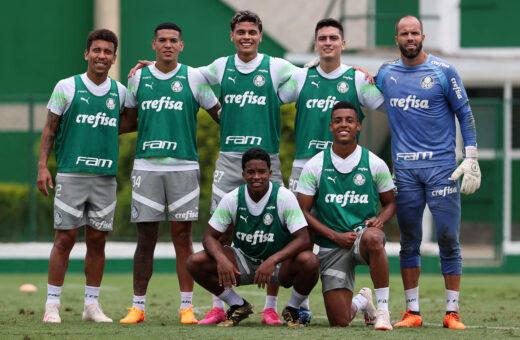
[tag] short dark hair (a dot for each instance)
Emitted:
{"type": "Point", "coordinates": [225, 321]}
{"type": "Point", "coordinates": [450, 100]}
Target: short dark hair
{"type": "Point", "coordinates": [343, 104]}
{"type": "Point", "coordinates": [102, 34]}
{"type": "Point", "coordinates": [168, 26]}
{"type": "Point", "coordinates": [245, 16]}
{"type": "Point", "coordinates": [255, 153]}
{"type": "Point", "coordinates": [328, 22]}
{"type": "Point", "coordinates": [408, 16]}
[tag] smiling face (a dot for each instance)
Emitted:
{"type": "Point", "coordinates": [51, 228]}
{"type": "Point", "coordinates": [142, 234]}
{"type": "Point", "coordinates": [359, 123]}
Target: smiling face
{"type": "Point", "coordinates": [100, 58]}
{"type": "Point", "coordinates": [167, 45]}
{"type": "Point", "coordinates": [329, 42]}
{"type": "Point", "coordinates": [246, 36]}
{"type": "Point", "coordinates": [344, 126]}
{"type": "Point", "coordinates": [256, 173]}
{"type": "Point", "coordinates": [409, 37]}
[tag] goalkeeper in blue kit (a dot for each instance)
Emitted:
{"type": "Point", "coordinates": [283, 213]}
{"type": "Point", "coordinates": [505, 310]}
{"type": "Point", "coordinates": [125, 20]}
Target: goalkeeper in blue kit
{"type": "Point", "coordinates": [423, 96]}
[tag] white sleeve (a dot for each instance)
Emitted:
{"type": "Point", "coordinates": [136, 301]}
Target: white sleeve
{"type": "Point", "coordinates": [62, 96]}
{"type": "Point", "coordinates": [214, 71]}
{"type": "Point", "coordinates": [225, 214]}
{"type": "Point", "coordinates": [201, 89]}
{"type": "Point", "coordinates": [281, 71]}
{"type": "Point", "coordinates": [309, 180]}
{"type": "Point", "coordinates": [289, 210]}
{"type": "Point", "coordinates": [290, 90]}
{"type": "Point", "coordinates": [368, 94]}
{"type": "Point", "coordinates": [121, 89]}
{"type": "Point", "coordinates": [381, 174]}
{"type": "Point", "coordinates": [131, 93]}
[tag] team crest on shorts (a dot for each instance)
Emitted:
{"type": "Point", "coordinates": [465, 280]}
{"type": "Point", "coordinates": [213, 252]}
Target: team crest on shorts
{"type": "Point", "coordinates": [259, 80]}
{"type": "Point", "coordinates": [58, 218]}
{"type": "Point", "coordinates": [268, 219]}
{"type": "Point", "coordinates": [427, 82]}
{"type": "Point", "coordinates": [342, 87]}
{"type": "Point", "coordinates": [176, 86]}
{"type": "Point", "coordinates": [135, 211]}
{"type": "Point", "coordinates": [359, 179]}
{"type": "Point", "coordinates": [111, 103]}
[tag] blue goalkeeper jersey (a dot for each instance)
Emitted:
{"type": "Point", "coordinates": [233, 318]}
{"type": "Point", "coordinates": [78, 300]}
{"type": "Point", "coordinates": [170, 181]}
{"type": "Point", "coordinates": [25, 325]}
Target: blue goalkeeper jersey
{"type": "Point", "coordinates": [422, 102]}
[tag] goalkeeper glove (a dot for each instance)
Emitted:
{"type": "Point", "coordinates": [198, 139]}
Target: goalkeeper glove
{"type": "Point", "coordinates": [471, 171]}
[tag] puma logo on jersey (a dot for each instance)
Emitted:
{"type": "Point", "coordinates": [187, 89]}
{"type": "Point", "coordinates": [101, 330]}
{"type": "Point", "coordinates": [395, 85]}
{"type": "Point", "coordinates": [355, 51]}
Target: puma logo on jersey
{"type": "Point", "coordinates": [394, 79]}
{"type": "Point", "coordinates": [149, 85]}
{"type": "Point", "coordinates": [232, 79]}
{"type": "Point", "coordinates": [317, 84]}
{"type": "Point", "coordinates": [332, 179]}
{"type": "Point", "coordinates": [244, 218]}
{"type": "Point", "coordinates": [85, 99]}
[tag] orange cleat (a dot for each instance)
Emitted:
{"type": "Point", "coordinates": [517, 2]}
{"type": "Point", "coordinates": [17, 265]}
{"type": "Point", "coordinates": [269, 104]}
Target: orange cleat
{"type": "Point", "coordinates": [135, 315]}
{"type": "Point", "coordinates": [187, 316]}
{"type": "Point", "coordinates": [453, 321]}
{"type": "Point", "coordinates": [409, 320]}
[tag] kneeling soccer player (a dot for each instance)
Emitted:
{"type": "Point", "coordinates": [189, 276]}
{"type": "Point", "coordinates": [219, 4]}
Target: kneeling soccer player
{"type": "Point", "coordinates": [345, 182]}
{"type": "Point", "coordinates": [270, 242]}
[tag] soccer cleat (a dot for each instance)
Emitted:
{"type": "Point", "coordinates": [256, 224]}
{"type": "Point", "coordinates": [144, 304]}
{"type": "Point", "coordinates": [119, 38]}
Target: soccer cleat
{"type": "Point", "coordinates": [383, 321]}
{"type": "Point", "coordinates": [94, 313]}
{"type": "Point", "coordinates": [369, 312]}
{"type": "Point", "coordinates": [236, 313]}
{"type": "Point", "coordinates": [216, 315]}
{"type": "Point", "coordinates": [52, 313]}
{"type": "Point", "coordinates": [409, 320]}
{"type": "Point", "coordinates": [187, 316]}
{"type": "Point", "coordinates": [270, 317]}
{"type": "Point", "coordinates": [305, 316]}
{"type": "Point", "coordinates": [134, 315]}
{"type": "Point", "coordinates": [453, 321]}
{"type": "Point", "coordinates": [291, 317]}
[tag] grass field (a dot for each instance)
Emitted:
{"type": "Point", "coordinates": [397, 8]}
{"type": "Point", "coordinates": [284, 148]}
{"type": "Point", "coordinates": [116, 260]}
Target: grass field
{"type": "Point", "coordinates": [489, 308]}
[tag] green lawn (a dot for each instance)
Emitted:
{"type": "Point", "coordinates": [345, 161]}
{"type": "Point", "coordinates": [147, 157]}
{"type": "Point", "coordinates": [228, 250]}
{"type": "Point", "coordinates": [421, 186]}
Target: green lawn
{"type": "Point", "coordinates": [488, 306]}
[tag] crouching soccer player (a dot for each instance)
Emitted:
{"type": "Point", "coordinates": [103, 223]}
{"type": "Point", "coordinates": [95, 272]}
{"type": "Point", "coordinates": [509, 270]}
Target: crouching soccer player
{"type": "Point", "coordinates": [345, 182]}
{"type": "Point", "coordinates": [271, 243]}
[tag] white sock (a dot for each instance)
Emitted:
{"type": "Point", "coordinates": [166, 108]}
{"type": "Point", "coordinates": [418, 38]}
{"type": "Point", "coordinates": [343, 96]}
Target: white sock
{"type": "Point", "coordinates": [231, 298]}
{"type": "Point", "coordinates": [186, 300]}
{"type": "Point", "coordinates": [217, 303]}
{"type": "Point", "coordinates": [412, 299]}
{"type": "Point", "coordinates": [360, 302]}
{"type": "Point", "coordinates": [139, 302]}
{"type": "Point", "coordinates": [271, 302]}
{"type": "Point", "coordinates": [91, 295]}
{"type": "Point", "coordinates": [296, 299]}
{"type": "Point", "coordinates": [53, 294]}
{"type": "Point", "coordinates": [452, 301]}
{"type": "Point", "coordinates": [382, 298]}
{"type": "Point", "coordinates": [305, 303]}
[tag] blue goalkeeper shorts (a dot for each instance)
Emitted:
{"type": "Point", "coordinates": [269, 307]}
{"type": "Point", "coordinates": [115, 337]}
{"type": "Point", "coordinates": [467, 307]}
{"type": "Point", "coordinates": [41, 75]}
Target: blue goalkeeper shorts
{"type": "Point", "coordinates": [415, 189]}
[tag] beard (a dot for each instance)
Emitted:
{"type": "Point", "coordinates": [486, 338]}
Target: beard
{"type": "Point", "coordinates": [410, 54]}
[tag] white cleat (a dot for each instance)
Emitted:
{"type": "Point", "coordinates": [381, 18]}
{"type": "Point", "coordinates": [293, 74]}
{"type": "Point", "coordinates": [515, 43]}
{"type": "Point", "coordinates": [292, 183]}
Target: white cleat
{"type": "Point", "coordinates": [369, 312]}
{"type": "Point", "coordinates": [52, 313]}
{"type": "Point", "coordinates": [383, 321]}
{"type": "Point", "coordinates": [94, 313]}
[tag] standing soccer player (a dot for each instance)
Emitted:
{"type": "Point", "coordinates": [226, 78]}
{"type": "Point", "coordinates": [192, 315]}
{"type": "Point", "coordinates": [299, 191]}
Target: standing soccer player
{"type": "Point", "coordinates": [250, 118]}
{"type": "Point", "coordinates": [270, 243]}
{"type": "Point", "coordinates": [82, 124]}
{"type": "Point", "coordinates": [315, 91]}
{"type": "Point", "coordinates": [165, 97]}
{"type": "Point", "coordinates": [345, 182]}
{"type": "Point", "coordinates": [423, 95]}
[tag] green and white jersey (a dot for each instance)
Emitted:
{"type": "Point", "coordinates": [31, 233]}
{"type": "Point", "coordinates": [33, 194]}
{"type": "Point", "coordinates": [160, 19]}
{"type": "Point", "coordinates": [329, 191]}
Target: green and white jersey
{"type": "Point", "coordinates": [277, 213]}
{"type": "Point", "coordinates": [167, 124]}
{"type": "Point", "coordinates": [346, 190]}
{"type": "Point", "coordinates": [87, 137]}
{"type": "Point", "coordinates": [315, 93]}
{"type": "Point", "coordinates": [250, 106]}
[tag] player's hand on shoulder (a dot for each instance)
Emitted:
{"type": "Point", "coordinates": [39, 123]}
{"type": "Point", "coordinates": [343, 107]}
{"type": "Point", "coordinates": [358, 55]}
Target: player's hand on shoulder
{"type": "Point", "coordinates": [140, 64]}
{"type": "Point", "coordinates": [346, 240]}
{"type": "Point", "coordinates": [368, 76]}
{"type": "Point", "coordinates": [470, 171]}
{"type": "Point", "coordinates": [264, 272]}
